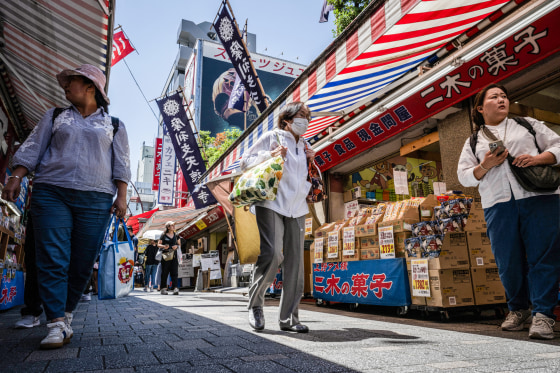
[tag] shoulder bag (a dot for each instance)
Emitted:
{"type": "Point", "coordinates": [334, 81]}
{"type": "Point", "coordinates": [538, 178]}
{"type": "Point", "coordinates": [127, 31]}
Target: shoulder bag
{"type": "Point", "coordinates": [317, 191]}
{"type": "Point", "coordinates": [537, 179]}
{"type": "Point", "coordinates": [259, 183]}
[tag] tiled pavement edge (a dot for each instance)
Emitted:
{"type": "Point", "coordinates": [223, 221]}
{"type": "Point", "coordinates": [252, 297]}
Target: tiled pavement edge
{"type": "Point", "coordinates": [208, 332]}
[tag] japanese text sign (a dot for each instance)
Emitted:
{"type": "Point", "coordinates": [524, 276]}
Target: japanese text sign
{"type": "Point", "coordinates": [386, 242]}
{"type": "Point", "coordinates": [332, 245]}
{"type": "Point", "coordinates": [308, 226]}
{"type": "Point", "coordinates": [157, 164]}
{"type": "Point", "coordinates": [167, 171]}
{"type": "Point", "coordinates": [121, 47]}
{"type": "Point", "coordinates": [420, 278]}
{"type": "Point", "coordinates": [381, 282]}
{"type": "Point", "coordinates": [348, 241]}
{"type": "Point", "coordinates": [507, 57]}
{"type": "Point", "coordinates": [318, 248]}
{"type": "Point", "coordinates": [186, 148]}
{"type": "Point", "coordinates": [235, 47]}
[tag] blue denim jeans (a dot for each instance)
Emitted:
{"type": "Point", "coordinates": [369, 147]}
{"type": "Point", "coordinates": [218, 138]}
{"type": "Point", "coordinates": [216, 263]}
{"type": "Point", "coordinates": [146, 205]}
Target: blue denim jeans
{"type": "Point", "coordinates": [525, 238]}
{"type": "Point", "coordinates": [151, 275]}
{"type": "Point", "coordinates": [69, 227]}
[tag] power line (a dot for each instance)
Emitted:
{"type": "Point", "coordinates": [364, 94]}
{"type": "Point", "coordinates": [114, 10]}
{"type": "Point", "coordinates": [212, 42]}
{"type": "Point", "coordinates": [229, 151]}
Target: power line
{"type": "Point", "coordinates": [140, 89]}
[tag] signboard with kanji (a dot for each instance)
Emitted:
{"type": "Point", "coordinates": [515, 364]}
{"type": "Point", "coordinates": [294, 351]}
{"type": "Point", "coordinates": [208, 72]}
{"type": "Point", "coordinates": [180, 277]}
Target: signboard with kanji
{"type": "Point", "coordinates": [379, 282]}
{"type": "Point", "coordinates": [386, 242]}
{"type": "Point", "coordinates": [11, 290]}
{"type": "Point", "coordinates": [420, 278]}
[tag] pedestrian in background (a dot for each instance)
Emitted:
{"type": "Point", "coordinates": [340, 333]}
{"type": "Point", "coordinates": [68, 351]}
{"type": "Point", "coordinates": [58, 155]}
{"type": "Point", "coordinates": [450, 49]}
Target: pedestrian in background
{"type": "Point", "coordinates": [523, 226]}
{"type": "Point", "coordinates": [169, 262]}
{"type": "Point", "coordinates": [81, 160]}
{"type": "Point", "coordinates": [281, 222]}
{"type": "Point", "coordinates": [151, 266]}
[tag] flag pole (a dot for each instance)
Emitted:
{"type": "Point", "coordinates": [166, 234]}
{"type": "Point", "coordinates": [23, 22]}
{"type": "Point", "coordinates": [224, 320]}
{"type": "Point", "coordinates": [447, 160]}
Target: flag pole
{"type": "Point", "coordinates": [247, 51]}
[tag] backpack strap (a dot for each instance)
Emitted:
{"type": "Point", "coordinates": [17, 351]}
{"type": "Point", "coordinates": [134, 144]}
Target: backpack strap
{"type": "Point", "coordinates": [473, 140]}
{"type": "Point", "coordinates": [525, 123]}
{"type": "Point", "coordinates": [115, 123]}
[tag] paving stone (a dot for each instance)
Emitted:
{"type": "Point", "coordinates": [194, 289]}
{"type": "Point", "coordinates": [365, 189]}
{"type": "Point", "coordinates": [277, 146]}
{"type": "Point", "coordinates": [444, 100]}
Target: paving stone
{"type": "Point", "coordinates": [189, 344]}
{"type": "Point", "coordinates": [259, 366]}
{"type": "Point", "coordinates": [101, 350]}
{"type": "Point", "coordinates": [27, 367]}
{"type": "Point", "coordinates": [130, 360]}
{"type": "Point", "coordinates": [173, 356]}
{"type": "Point", "coordinates": [80, 365]}
{"type": "Point", "coordinates": [57, 354]}
{"type": "Point", "coordinates": [121, 340]}
{"type": "Point", "coordinates": [227, 351]}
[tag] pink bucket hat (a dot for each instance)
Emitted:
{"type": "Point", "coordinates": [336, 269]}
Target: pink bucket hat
{"type": "Point", "coordinates": [89, 71]}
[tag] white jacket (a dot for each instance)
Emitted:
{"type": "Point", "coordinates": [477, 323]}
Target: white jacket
{"type": "Point", "coordinates": [293, 187]}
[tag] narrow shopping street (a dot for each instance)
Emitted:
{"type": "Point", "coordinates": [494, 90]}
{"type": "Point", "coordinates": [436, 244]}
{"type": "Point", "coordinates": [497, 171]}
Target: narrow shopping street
{"type": "Point", "coordinates": [208, 332]}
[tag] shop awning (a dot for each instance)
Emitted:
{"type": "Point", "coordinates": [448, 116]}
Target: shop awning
{"type": "Point", "coordinates": [181, 216]}
{"type": "Point", "coordinates": [39, 39]}
{"type": "Point", "coordinates": [388, 40]}
{"type": "Point", "coordinates": [133, 220]}
{"type": "Point", "coordinates": [202, 222]}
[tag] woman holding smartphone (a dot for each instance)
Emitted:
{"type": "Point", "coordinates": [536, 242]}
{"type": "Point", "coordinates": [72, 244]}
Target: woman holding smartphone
{"type": "Point", "coordinates": [523, 226]}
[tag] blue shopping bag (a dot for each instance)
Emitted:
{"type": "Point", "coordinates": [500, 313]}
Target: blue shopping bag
{"type": "Point", "coordinates": [116, 263]}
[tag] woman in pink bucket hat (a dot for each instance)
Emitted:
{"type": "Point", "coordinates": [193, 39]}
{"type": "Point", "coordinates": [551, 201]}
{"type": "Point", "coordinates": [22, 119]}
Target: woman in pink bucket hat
{"type": "Point", "coordinates": [80, 159]}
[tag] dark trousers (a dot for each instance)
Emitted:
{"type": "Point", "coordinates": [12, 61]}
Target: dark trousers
{"type": "Point", "coordinates": [170, 267]}
{"type": "Point", "coordinates": [31, 292]}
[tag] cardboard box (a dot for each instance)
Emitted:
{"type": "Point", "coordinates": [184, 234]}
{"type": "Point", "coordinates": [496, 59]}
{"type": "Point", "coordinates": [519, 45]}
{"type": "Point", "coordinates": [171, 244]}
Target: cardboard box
{"type": "Point", "coordinates": [324, 229]}
{"type": "Point", "coordinates": [480, 250]}
{"type": "Point", "coordinates": [421, 301]}
{"type": "Point", "coordinates": [401, 225]}
{"type": "Point", "coordinates": [475, 220]}
{"type": "Point", "coordinates": [400, 237]}
{"type": "Point", "coordinates": [366, 230]}
{"type": "Point", "coordinates": [487, 286]}
{"type": "Point", "coordinates": [426, 208]}
{"type": "Point", "coordinates": [450, 288]}
{"type": "Point", "coordinates": [369, 253]}
{"type": "Point", "coordinates": [352, 194]}
{"type": "Point", "coordinates": [368, 242]}
{"type": "Point", "coordinates": [454, 253]}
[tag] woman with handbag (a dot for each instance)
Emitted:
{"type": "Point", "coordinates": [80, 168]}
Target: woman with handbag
{"type": "Point", "coordinates": [281, 222]}
{"type": "Point", "coordinates": [80, 157]}
{"type": "Point", "coordinates": [523, 226]}
{"type": "Point", "coordinates": [169, 262]}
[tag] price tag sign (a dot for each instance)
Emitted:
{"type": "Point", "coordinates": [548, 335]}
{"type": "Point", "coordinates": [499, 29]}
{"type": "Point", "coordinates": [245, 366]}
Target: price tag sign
{"type": "Point", "coordinates": [332, 248]}
{"type": "Point", "coordinates": [318, 254]}
{"type": "Point", "coordinates": [420, 278]}
{"type": "Point", "coordinates": [348, 241]}
{"type": "Point", "coordinates": [386, 243]}
{"type": "Point", "coordinates": [308, 226]}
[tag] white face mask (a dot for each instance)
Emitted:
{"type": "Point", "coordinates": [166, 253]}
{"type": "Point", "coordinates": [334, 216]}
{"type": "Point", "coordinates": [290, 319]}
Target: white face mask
{"type": "Point", "coordinates": [299, 126]}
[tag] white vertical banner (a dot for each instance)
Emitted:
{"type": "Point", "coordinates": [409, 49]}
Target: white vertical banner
{"type": "Point", "coordinates": [167, 171]}
{"type": "Point", "coordinates": [401, 182]}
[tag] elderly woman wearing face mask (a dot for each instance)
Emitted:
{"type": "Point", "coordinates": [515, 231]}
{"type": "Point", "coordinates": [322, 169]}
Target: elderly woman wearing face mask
{"type": "Point", "coordinates": [281, 222]}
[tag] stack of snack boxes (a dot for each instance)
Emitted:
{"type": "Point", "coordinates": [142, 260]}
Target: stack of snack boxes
{"type": "Point", "coordinates": [486, 283]}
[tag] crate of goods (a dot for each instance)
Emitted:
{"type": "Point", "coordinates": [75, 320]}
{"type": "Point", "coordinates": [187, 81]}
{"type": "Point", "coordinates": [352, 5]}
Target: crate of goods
{"type": "Point", "coordinates": [480, 250]}
{"type": "Point", "coordinates": [487, 286]}
{"type": "Point", "coordinates": [450, 288]}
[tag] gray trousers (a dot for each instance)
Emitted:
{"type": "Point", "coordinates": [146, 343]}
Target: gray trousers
{"type": "Point", "coordinates": [281, 243]}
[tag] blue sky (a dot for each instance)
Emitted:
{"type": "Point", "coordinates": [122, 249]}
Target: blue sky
{"type": "Point", "coordinates": [288, 29]}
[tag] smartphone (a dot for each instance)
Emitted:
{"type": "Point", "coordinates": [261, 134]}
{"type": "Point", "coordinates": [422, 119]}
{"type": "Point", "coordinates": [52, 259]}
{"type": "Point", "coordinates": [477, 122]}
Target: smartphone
{"type": "Point", "coordinates": [497, 147]}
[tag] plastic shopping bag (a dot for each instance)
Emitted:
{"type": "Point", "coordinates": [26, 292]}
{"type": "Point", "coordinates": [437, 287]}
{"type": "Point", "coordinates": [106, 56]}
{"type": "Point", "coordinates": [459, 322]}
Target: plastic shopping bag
{"type": "Point", "coordinates": [116, 264]}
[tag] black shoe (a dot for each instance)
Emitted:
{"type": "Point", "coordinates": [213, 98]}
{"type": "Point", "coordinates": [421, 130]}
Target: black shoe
{"type": "Point", "coordinates": [298, 328]}
{"type": "Point", "coordinates": [256, 318]}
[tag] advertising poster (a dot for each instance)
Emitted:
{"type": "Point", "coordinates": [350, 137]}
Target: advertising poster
{"type": "Point", "coordinates": [218, 79]}
{"type": "Point", "coordinates": [211, 261]}
{"type": "Point", "coordinates": [308, 226]}
{"type": "Point", "coordinates": [186, 268]}
{"type": "Point", "coordinates": [386, 242]}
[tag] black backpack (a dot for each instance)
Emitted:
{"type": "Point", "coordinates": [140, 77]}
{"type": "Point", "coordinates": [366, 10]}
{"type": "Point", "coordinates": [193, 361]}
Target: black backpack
{"type": "Point", "coordinates": [114, 120]}
{"type": "Point", "coordinates": [522, 121]}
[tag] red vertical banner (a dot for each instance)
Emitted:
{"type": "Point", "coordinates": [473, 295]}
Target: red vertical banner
{"type": "Point", "coordinates": [181, 189]}
{"type": "Point", "coordinates": [121, 47]}
{"type": "Point", "coordinates": [157, 164]}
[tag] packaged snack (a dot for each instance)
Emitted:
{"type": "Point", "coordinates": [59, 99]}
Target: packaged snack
{"type": "Point", "coordinates": [450, 225]}
{"type": "Point", "coordinates": [454, 207]}
{"type": "Point", "coordinates": [413, 246]}
{"type": "Point", "coordinates": [437, 212]}
{"type": "Point", "coordinates": [424, 228]}
{"type": "Point", "coordinates": [431, 245]}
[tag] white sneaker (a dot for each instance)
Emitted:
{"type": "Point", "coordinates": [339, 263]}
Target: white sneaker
{"type": "Point", "coordinates": [27, 321]}
{"type": "Point", "coordinates": [515, 320]}
{"type": "Point", "coordinates": [151, 289]}
{"type": "Point", "coordinates": [176, 291]}
{"type": "Point", "coordinates": [85, 297]}
{"type": "Point", "coordinates": [68, 317]}
{"type": "Point", "coordinates": [57, 336]}
{"type": "Point", "coordinates": [146, 289]}
{"type": "Point", "coordinates": [542, 327]}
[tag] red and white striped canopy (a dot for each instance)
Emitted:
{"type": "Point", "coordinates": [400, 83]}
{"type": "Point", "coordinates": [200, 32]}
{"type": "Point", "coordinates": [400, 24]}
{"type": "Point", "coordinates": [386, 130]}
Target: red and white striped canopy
{"type": "Point", "coordinates": [43, 37]}
{"type": "Point", "coordinates": [393, 39]}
